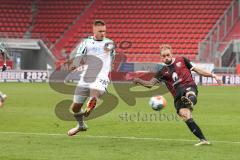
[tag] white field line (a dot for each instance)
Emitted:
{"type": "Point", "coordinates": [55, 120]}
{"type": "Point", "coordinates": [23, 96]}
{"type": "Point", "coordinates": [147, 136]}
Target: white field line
{"type": "Point", "coordinates": [118, 137]}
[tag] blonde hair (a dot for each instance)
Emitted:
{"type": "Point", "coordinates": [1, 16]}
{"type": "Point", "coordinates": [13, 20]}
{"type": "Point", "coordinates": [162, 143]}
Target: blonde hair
{"type": "Point", "coordinates": [164, 47]}
{"type": "Point", "coordinates": [99, 23]}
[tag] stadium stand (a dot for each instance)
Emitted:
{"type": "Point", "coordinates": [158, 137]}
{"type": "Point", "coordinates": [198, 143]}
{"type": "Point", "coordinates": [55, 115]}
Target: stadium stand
{"type": "Point", "coordinates": [55, 16]}
{"type": "Point", "coordinates": [15, 16]}
{"type": "Point", "coordinates": [148, 23]}
{"type": "Point", "coordinates": [145, 24]}
{"type": "Point", "coordinates": [234, 33]}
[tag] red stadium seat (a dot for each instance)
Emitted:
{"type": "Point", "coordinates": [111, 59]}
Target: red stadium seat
{"type": "Point", "coordinates": [146, 24]}
{"type": "Point", "coordinates": [54, 17]}
{"type": "Point", "coordinates": [15, 17]}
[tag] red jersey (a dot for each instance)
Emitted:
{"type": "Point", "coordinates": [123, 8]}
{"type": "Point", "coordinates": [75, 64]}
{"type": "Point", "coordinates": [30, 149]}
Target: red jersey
{"type": "Point", "coordinates": [176, 75]}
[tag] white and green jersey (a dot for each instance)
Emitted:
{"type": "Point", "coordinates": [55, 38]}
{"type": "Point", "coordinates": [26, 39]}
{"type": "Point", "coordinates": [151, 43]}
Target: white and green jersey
{"type": "Point", "coordinates": [2, 47]}
{"type": "Point", "coordinates": [102, 50]}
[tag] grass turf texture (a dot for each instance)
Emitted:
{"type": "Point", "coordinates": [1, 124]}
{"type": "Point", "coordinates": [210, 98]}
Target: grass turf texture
{"type": "Point", "coordinates": [30, 107]}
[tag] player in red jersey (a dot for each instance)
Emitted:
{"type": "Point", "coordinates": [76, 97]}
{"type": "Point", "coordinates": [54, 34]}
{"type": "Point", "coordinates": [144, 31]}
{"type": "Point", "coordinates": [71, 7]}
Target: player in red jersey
{"type": "Point", "coordinates": [176, 74]}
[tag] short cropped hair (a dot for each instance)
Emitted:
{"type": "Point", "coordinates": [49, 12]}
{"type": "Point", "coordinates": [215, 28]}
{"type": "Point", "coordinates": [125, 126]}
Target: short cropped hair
{"type": "Point", "coordinates": [99, 23]}
{"type": "Point", "coordinates": [164, 47]}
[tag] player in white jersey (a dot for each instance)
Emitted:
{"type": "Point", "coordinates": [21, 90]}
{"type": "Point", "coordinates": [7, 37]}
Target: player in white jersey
{"type": "Point", "coordinates": [2, 99]}
{"type": "Point", "coordinates": [95, 54]}
{"type": "Point", "coordinates": [3, 52]}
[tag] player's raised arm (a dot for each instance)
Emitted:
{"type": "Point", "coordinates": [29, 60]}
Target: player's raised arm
{"type": "Point", "coordinates": [205, 73]}
{"type": "Point", "coordinates": [201, 71]}
{"type": "Point", "coordinates": [148, 84]}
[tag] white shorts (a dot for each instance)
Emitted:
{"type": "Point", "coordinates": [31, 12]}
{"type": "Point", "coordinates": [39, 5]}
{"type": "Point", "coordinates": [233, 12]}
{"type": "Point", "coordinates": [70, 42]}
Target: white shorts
{"type": "Point", "coordinates": [82, 91]}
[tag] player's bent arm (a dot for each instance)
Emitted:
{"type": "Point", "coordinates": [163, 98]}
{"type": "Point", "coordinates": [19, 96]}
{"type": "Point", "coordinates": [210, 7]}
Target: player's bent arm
{"type": "Point", "coordinates": [78, 55]}
{"type": "Point", "coordinates": [147, 84]}
{"type": "Point", "coordinates": [205, 73]}
{"type": "Point", "coordinates": [72, 67]}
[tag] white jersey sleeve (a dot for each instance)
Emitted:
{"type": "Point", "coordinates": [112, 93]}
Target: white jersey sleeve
{"type": "Point", "coordinates": [2, 47]}
{"type": "Point", "coordinates": [81, 49]}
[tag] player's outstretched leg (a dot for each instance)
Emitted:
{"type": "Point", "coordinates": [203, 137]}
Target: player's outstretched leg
{"type": "Point", "coordinates": [78, 115]}
{"type": "Point", "coordinates": [186, 115]}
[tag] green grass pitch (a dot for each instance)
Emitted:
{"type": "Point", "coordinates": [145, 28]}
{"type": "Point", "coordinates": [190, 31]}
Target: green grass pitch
{"type": "Point", "coordinates": [30, 130]}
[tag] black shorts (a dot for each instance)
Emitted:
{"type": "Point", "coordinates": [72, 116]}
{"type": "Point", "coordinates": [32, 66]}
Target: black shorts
{"type": "Point", "coordinates": [182, 92]}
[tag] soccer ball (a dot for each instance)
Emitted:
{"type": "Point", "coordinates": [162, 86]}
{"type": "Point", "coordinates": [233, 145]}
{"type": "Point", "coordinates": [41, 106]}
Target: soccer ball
{"type": "Point", "coordinates": [157, 102]}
